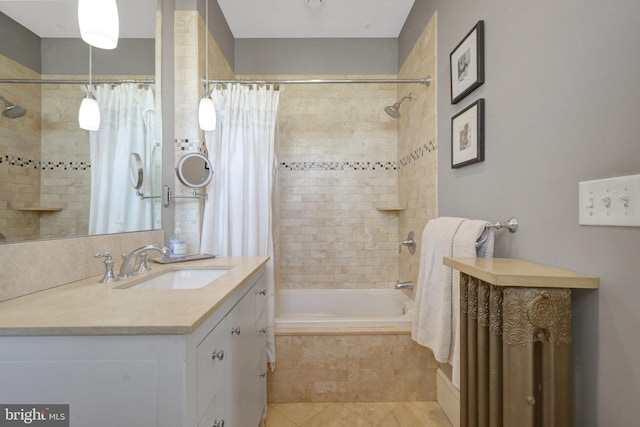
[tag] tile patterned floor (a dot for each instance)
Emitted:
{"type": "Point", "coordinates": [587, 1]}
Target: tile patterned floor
{"type": "Point", "coordinates": [357, 414]}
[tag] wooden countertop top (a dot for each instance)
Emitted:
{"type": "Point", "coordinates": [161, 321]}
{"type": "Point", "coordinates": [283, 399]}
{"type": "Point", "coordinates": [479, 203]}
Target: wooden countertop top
{"type": "Point", "coordinates": [519, 273]}
{"type": "Point", "coordinates": [87, 307]}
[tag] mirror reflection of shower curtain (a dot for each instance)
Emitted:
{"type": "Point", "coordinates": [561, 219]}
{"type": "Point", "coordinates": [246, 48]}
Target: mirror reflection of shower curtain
{"type": "Point", "coordinates": [237, 217]}
{"type": "Point", "coordinates": [127, 125]}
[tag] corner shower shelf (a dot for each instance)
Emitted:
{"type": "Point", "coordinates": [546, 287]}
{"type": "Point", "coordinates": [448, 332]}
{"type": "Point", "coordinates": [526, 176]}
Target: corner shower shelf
{"type": "Point", "coordinates": [42, 209]}
{"type": "Point", "coordinates": [390, 208]}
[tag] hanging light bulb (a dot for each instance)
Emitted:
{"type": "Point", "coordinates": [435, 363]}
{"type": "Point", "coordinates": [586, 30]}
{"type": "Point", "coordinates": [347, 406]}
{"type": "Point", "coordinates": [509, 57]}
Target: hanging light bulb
{"type": "Point", "coordinates": [207, 114]}
{"type": "Point", "coordinates": [89, 113]}
{"type": "Point", "coordinates": [99, 23]}
{"type": "Point", "coordinates": [206, 109]}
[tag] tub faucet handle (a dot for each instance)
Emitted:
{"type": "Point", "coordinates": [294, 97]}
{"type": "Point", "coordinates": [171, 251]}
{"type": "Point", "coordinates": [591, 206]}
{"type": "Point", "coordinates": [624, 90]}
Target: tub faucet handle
{"type": "Point", "coordinates": [410, 243]}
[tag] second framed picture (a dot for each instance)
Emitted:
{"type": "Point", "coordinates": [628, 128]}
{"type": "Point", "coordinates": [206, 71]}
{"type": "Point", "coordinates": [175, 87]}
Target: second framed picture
{"type": "Point", "coordinates": [467, 64]}
{"type": "Point", "coordinates": [467, 135]}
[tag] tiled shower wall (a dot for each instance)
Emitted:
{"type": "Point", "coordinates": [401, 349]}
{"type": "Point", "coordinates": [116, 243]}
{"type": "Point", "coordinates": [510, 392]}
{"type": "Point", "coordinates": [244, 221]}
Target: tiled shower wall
{"type": "Point", "coordinates": [340, 157]}
{"type": "Point", "coordinates": [44, 157]}
{"type": "Point", "coordinates": [19, 155]}
{"type": "Point", "coordinates": [337, 163]}
{"type": "Point", "coordinates": [417, 145]}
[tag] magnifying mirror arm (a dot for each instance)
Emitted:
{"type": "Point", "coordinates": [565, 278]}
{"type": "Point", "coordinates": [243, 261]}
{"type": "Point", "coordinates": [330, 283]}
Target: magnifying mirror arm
{"type": "Point", "coordinates": [168, 196]}
{"type": "Point", "coordinates": [143, 197]}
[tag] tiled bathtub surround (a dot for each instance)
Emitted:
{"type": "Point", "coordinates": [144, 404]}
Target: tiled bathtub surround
{"type": "Point", "coordinates": [337, 159]}
{"type": "Point", "coordinates": [367, 367]}
{"type": "Point", "coordinates": [417, 148]}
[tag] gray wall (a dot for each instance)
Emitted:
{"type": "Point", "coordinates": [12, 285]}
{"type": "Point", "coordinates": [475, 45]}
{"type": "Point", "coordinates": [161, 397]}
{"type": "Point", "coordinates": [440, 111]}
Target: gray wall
{"type": "Point", "coordinates": [71, 56]}
{"type": "Point", "coordinates": [316, 56]}
{"type": "Point", "coordinates": [19, 44]}
{"type": "Point", "coordinates": [562, 98]}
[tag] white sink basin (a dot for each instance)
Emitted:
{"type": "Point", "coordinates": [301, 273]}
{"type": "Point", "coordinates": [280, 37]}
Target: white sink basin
{"type": "Point", "coordinates": [181, 279]}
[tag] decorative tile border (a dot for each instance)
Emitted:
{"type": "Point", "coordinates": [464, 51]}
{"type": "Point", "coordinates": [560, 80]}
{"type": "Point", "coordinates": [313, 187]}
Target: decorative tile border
{"type": "Point", "coordinates": [337, 166]}
{"type": "Point", "coordinates": [195, 145]}
{"type": "Point", "coordinates": [418, 153]}
{"type": "Point", "coordinates": [187, 145]}
{"type": "Point", "coordinates": [36, 164]}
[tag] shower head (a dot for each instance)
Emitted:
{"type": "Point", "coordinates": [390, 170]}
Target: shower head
{"type": "Point", "coordinates": [11, 111]}
{"type": "Point", "coordinates": [394, 110]}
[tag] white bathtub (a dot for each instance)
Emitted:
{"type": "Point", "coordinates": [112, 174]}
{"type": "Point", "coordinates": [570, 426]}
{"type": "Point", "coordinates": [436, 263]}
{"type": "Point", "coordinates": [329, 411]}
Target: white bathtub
{"type": "Point", "coordinates": [358, 308]}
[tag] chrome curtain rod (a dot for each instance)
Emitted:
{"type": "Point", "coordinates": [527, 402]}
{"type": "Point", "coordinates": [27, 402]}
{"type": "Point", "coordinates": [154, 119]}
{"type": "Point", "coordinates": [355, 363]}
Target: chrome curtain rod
{"type": "Point", "coordinates": [76, 82]}
{"type": "Point", "coordinates": [425, 81]}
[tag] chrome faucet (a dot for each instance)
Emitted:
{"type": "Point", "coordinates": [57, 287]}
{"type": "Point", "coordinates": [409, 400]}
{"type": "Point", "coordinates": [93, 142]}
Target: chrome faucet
{"type": "Point", "coordinates": [128, 267]}
{"type": "Point", "coordinates": [404, 285]}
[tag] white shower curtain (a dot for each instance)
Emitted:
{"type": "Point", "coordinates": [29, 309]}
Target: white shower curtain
{"type": "Point", "coordinates": [238, 216]}
{"type": "Point", "coordinates": [127, 126]}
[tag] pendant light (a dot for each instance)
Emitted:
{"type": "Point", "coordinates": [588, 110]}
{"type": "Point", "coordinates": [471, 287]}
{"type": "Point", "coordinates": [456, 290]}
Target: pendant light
{"type": "Point", "coordinates": [206, 109]}
{"type": "Point", "coordinates": [89, 113]}
{"type": "Point", "coordinates": [99, 23]}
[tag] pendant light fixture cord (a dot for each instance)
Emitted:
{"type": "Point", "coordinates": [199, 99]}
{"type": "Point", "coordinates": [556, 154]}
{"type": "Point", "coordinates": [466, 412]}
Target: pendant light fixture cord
{"type": "Point", "coordinates": [206, 48]}
{"type": "Point", "coordinates": [90, 69]}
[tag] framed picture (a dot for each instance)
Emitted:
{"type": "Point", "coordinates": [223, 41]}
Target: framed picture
{"type": "Point", "coordinates": [467, 64]}
{"type": "Point", "coordinates": [467, 135]}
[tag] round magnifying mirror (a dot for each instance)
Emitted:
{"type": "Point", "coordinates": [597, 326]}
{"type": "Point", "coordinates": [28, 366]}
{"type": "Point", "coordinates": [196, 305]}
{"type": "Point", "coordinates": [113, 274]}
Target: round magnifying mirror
{"type": "Point", "coordinates": [135, 171]}
{"type": "Point", "coordinates": [194, 170]}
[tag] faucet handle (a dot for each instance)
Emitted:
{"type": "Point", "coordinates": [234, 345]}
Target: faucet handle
{"type": "Point", "coordinates": [143, 268]}
{"type": "Point", "coordinates": [109, 277]}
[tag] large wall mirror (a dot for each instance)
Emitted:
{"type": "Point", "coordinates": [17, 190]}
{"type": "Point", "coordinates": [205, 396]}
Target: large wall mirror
{"type": "Point", "coordinates": [57, 180]}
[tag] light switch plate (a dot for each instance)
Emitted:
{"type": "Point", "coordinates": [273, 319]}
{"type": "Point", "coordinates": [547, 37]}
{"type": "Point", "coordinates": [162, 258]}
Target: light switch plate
{"type": "Point", "coordinates": [611, 201]}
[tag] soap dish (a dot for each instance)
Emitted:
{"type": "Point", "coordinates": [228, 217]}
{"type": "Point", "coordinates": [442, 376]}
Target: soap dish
{"type": "Point", "coordinates": [192, 257]}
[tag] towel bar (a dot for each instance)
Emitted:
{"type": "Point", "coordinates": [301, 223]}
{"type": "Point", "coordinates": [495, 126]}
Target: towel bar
{"type": "Point", "coordinates": [511, 224]}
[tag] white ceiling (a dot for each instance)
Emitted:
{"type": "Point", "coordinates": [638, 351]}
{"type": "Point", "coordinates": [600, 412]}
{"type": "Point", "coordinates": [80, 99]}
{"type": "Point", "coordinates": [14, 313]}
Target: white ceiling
{"type": "Point", "coordinates": [246, 18]}
{"type": "Point", "coordinates": [59, 18]}
{"type": "Point", "coordinates": [334, 18]}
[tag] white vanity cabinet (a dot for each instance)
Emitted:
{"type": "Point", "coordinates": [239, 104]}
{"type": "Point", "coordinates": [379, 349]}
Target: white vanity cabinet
{"type": "Point", "coordinates": [234, 381]}
{"type": "Point", "coordinates": [209, 376]}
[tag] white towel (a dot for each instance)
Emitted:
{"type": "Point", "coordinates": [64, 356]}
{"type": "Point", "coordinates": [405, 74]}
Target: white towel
{"type": "Point", "coordinates": [431, 324]}
{"type": "Point", "coordinates": [464, 246]}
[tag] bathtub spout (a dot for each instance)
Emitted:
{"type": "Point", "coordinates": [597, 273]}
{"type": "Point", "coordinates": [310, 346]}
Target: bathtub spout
{"type": "Point", "coordinates": [404, 285]}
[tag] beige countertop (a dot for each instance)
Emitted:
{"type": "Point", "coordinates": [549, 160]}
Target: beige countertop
{"type": "Point", "coordinates": [519, 273]}
{"type": "Point", "coordinates": [87, 307]}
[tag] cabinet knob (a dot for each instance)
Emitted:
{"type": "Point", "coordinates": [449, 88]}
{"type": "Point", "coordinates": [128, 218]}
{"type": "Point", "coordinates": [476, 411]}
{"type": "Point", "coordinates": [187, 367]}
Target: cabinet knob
{"type": "Point", "coordinates": [263, 374]}
{"type": "Point", "coordinates": [262, 330]}
{"type": "Point", "coordinates": [262, 292]}
{"type": "Point", "coordinates": [235, 331]}
{"type": "Point", "coordinates": [218, 355]}
{"type": "Point", "coordinates": [217, 423]}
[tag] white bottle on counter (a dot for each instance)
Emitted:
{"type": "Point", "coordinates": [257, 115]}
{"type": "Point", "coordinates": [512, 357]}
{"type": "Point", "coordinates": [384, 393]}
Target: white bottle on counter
{"type": "Point", "coordinates": [177, 246]}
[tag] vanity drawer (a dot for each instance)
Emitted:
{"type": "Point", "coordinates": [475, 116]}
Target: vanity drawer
{"type": "Point", "coordinates": [212, 363]}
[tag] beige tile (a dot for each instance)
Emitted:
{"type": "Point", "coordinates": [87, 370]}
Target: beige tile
{"type": "Point", "coordinates": [275, 418]}
{"type": "Point", "coordinates": [372, 411]}
{"type": "Point", "coordinates": [299, 413]}
{"type": "Point", "coordinates": [337, 415]}
{"type": "Point", "coordinates": [417, 414]}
